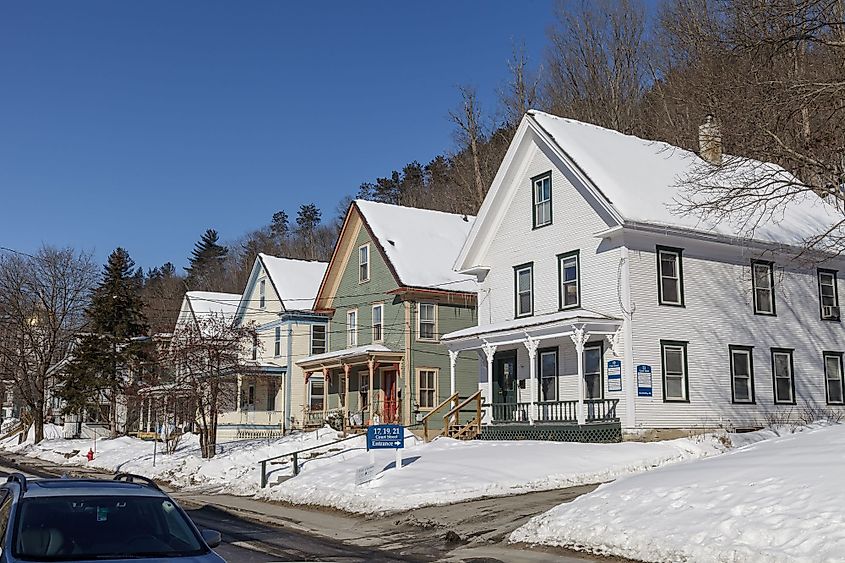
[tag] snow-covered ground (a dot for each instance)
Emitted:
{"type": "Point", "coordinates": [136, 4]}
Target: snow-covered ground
{"type": "Point", "coordinates": [775, 500]}
{"type": "Point", "coordinates": [447, 471]}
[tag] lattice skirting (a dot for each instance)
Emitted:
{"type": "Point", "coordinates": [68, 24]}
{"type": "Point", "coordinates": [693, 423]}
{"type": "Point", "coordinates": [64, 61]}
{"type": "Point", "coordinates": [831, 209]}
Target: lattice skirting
{"type": "Point", "coordinates": [605, 432]}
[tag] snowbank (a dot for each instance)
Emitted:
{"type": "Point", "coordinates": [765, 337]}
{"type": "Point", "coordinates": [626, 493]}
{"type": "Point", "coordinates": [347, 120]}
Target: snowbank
{"type": "Point", "coordinates": [234, 470]}
{"type": "Point", "coordinates": [773, 500]}
{"type": "Point", "coordinates": [446, 471]}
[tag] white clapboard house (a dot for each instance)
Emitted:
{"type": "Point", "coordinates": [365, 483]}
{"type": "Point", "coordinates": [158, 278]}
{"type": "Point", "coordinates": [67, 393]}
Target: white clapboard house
{"type": "Point", "coordinates": [602, 306]}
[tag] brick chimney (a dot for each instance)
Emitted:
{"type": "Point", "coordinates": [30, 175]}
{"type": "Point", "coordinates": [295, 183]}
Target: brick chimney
{"type": "Point", "coordinates": [710, 140]}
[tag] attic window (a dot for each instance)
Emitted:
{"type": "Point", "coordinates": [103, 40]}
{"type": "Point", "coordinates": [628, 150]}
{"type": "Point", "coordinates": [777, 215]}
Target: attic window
{"type": "Point", "coordinates": [364, 263]}
{"type": "Point", "coordinates": [542, 194]}
{"type": "Point", "coordinates": [262, 293]}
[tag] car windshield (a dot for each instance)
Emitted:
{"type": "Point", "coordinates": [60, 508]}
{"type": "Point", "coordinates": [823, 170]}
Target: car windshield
{"type": "Point", "coordinates": [66, 528]}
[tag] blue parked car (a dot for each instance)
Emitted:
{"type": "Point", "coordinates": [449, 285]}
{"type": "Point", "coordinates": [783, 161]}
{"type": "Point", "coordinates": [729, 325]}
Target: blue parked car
{"type": "Point", "coordinates": [128, 518]}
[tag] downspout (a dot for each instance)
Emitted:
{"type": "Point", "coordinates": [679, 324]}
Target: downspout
{"type": "Point", "coordinates": [288, 382]}
{"type": "Point", "coordinates": [628, 309]}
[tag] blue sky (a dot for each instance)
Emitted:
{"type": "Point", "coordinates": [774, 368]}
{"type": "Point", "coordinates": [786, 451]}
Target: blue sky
{"type": "Point", "coordinates": [141, 124]}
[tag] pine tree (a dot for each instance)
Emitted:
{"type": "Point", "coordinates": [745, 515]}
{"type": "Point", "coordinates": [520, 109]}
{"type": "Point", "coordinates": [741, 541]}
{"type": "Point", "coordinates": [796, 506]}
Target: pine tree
{"type": "Point", "coordinates": [207, 262]}
{"type": "Point", "coordinates": [307, 220]}
{"type": "Point", "coordinates": [113, 343]}
{"type": "Point", "coordinates": [280, 225]}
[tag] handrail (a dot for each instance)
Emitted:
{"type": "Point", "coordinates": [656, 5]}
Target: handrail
{"type": "Point", "coordinates": [452, 397]}
{"type": "Point", "coordinates": [457, 408]}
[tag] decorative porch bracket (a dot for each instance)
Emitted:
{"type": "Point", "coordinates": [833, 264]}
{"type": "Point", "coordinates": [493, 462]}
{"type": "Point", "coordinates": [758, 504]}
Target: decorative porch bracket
{"type": "Point", "coordinates": [615, 340]}
{"type": "Point", "coordinates": [579, 337]}
{"type": "Point", "coordinates": [531, 344]}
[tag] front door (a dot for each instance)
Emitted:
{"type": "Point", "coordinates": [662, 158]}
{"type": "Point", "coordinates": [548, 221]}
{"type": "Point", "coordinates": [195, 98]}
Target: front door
{"type": "Point", "coordinates": [504, 378]}
{"type": "Point", "coordinates": [388, 385]}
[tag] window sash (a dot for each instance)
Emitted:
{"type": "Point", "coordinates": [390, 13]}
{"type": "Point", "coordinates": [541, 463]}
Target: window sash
{"type": "Point", "coordinates": [763, 286]}
{"type": "Point", "coordinates": [427, 388]}
{"type": "Point", "coordinates": [427, 321]}
{"type": "Point", "coordinates": [569, 281]}
{"type": "Point", "coordinates": [524, 289]}
{"type": "Point", "coordinates": [669, 274]}
{"type": "Point", "coordinates": [834, 379]}
{"type": "Point", "coordinates": [675, 376]}
{"type": "Point", "coordinates": [593, 384]}
{"type": "Point", "coordinates": [316, 385]}
{"type": "Point", "coordinates": [277, 342]}
{"type": "Point", "coordinates": [364, 263]}
{"type": "Point", "coordinates": [783, 376]}
{"type": "Point", "coordinates": [742, 372]}
{"type": "Point", "coordinates": [318, 339]}
{"type": "Point", "coordinates": [828, 296]}
{"type": "Point", "coordinates": [378, 323]}
{"type": "Point", "coordinates": [262, 293]}
{"type": "Point", "coordinates": [352, 328]}
{"type": "Point", "coordinates": [548, 374]}
{"type": "Point", "coordinates": [364, 391]}
{"type": "Point", "coordinates": [542, 201]}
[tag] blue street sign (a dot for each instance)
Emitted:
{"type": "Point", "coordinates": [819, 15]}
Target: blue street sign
{"type": "Point", "coordinates": [644, 384]}
{"type": "Point", "coordinates": [385, 436]}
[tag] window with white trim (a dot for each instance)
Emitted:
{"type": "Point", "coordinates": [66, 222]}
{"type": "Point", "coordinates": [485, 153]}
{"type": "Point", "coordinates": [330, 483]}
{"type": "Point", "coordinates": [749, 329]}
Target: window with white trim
{"type": "Point", "coordinates": [782, 373]}
{"type": "Point", "coordinates": [262, 293]}
{"type": "Point", "coordinates": [378, 322]}
{"type": "Point", "coordinates": [547, 372]}
{"type": "Point", "coordinates": [318, 339]}
{"type": "Point", "coordinates": [255, 347]}
{"type": "Point", "coordinates": [828, 295]}
{"type": "Point", "coordinates": [316, 386]}
{"type": "Point", "coordinates": [568, 272]}
{"type": "Point", "coordinates": [675, 376]}
{"type": "Point", "coordinates": [524, 290]}
{"type": "Point", "coordinates": [272, 390]}
{"type": "Point", "coordinates": [763, 285]}
{"type": "Point", "coordinates": [427, 388]}
{"type": "Point", "coordinates": [427, 321]}
{"type": "Point", "coordinates": [834, 378]}
{"type": "Point", "coordinates": [352, 328]}
{"type": "Point", "coordinates": [742, 374]}
{"type": "Point", "coordinates": [364, 390]}
{"type": "Point", "coordinates": [593, 376]}
{"type": "Point", "coordinates": [670, 276]}
{"type": "Point", "coordinates": [542, 194]}
{"type": "Point", "coordinates": [364, 263]}
{"type": "Point", "coordinates": [277, 342]}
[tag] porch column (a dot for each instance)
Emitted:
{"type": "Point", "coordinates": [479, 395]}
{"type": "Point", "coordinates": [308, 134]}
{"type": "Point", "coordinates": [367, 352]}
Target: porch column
{"type": "Point", "coordinates": [325, 392]}
{"type": "Point", "coordinates": [531, 344]}
{"type": "Point", "coordinates": [490, 352]}
{"type": "Point", "coordinates": [345, 395]}
{"type": "Point", "coordinates": [579, 338]}
{"type": "Point", "coordinates": [371, 409]}
{"type": "Point", "coordinates": [453, 360]}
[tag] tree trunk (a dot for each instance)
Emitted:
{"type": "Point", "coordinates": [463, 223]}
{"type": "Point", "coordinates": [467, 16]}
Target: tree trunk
{"type": "Point", "coordinates": [38, 424]}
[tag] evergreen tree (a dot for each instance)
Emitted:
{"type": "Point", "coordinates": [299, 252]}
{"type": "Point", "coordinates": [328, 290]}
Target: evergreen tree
{"type": "Point", "coordinates": [114, 343]}
{"type": "Point", "coordinates": [307, 220]}
{"type": "Point", "coordinates": [280, 225]}
{"type": "Point", "coordinates": [207, 262]}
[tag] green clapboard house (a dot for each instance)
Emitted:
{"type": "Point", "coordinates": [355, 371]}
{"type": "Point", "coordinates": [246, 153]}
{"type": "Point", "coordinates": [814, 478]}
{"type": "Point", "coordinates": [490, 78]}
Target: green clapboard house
{"type": "Point", "coordinates": [390, 291]}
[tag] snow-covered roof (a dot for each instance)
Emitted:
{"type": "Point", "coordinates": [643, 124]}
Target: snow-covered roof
{"type": "Point", "coordinates": [296, 281]}
{"type": "Point", "coordinates": [205, 303]}
{"type": "Point", "coordinates": [571, 315]}
{"type": "Point", "coordinates": [345, 353]}
{"type": "Point", "coordinates": [420, 244]}
{"type": "Point", "coordinates": [643, 180]}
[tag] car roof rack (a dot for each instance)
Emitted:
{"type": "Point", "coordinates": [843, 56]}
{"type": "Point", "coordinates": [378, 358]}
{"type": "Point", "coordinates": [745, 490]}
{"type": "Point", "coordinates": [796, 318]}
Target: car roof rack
{"type": "Point", "coordinates": [132, 478]}
{"type": "Point", "coordinates": [18, 478]}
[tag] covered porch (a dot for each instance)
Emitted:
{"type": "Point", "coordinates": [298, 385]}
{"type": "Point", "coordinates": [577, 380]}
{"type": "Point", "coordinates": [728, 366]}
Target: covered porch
{"type": "Point", "coordinates": [257, 407]}
{"type": "Point", "coordinates": [545, 376]}
{"type": "Point", "coordinates": [354, 387]}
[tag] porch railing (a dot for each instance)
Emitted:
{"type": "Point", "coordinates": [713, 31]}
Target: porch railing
{"type": "Point", "coordinates": [557, 411]}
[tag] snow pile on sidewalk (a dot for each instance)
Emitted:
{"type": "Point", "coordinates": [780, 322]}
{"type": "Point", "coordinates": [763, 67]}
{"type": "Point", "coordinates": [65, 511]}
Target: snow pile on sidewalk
{"type": "Point", "coordinates": [234, 470]}
{"type": "Point", "coordinates": [774, 500]}
{"type": "Point", "coordinates": [446, 471]}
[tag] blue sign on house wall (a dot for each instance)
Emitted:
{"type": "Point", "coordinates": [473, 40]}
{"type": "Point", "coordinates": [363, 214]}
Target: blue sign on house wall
{"type": "Point", "coordinates": [614, 375]}
{"type": "Point", "coordinates": [644, 385]}
{"type": "Point", "coordinates": [385, 436]}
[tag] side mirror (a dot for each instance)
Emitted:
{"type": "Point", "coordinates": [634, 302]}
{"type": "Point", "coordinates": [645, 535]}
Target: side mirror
{"type": "Point", "coordinates": [211, 537]}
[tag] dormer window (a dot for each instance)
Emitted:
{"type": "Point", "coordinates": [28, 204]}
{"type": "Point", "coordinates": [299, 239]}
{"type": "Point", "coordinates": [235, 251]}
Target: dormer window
{"type": "Point", "coordinates": [364, 263]}
{"type": "Point", "coordinates": [542, 193]}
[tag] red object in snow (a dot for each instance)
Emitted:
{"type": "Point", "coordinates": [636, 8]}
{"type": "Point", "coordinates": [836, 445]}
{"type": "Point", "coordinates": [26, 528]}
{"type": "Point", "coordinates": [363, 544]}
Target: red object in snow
{"type": "Point", "coordinates": [90, 454]}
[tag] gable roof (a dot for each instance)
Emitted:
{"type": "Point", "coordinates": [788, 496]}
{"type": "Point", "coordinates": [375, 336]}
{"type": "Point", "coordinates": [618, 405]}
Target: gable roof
{"type": "Point", "coordinates": [205, 303]}
{"type": "Point", "coordinates": [420, 245]}
{"type": "Point", "coordinates": [296, 281]}
{"type": "Point", "coordinates": [642, 182]}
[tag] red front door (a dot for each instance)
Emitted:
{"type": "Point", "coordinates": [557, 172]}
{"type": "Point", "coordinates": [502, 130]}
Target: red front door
{"type": "Point", "coordinates": [390, 403]}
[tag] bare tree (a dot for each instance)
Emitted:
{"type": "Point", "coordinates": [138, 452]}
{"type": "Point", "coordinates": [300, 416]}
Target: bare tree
{"type": "Point", "coordinates": [471, 135]}
{"type": "Point", "coordinates": [522, 92]}
{"type": "Point", "coordinates": [206, 357]}
{"type": "Point", "coordinates": [42, 303]}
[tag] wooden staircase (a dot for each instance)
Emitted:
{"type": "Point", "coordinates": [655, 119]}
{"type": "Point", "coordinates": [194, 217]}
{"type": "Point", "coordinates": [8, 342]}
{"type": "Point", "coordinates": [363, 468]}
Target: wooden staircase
{"type": "Point", "coordinates": [454, 424]}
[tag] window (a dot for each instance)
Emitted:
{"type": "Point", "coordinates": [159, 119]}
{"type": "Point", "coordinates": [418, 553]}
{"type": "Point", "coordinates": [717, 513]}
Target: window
{"type": "Point", "coordinates": [250, 395]}
{"type": "Point", "coordinates": [318, 339]}
{"type": "Point", "coordinates": [828, 295]}
{"type": "Point", "coordinates": [427, 383]}
{"type": "Point", "coordinates": [742, 374]}
{"type": "Point", "coordinates": [277, 342]}
{"type": "Point", "coordinates": [364, 263]}
{"type": "Point", "coordinates": [542, 190]}
{"type": "Point", "coordinates": [570, 289]}
{"type": "Point", "coordinates": [316, 386]}
{"type": "Point", "coordinates": [670, 276]}
{"type": "Point", "coordinates": [547, 371]}
{"type": "Point", "coordinates": [272, 389]}
{"type": "Point", "coordinates": [262, 292]}
{"type": "Point", "coordinates": [378, 322]}
{"type": "Point", "coordinates": [524, 282]}
{"type": "Point", "coordinates": [782, 373]}
{"type": "Point", "coordinates": [763, 285]}
{"type": "Point", "coordinates": [363, 390]}
{"type": "Point", "coordinates": [834, 381]}
{"type": "Point", "coordinates": [352, 328]}
{"type": "Point", "coordinates": [675, 376]}
{"type": "Point", "coordinates": [593, 380]}
{"type": "Point", "coordinates": [255, 348]}
{"type": "Point", "coordinates": [427, 329]}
